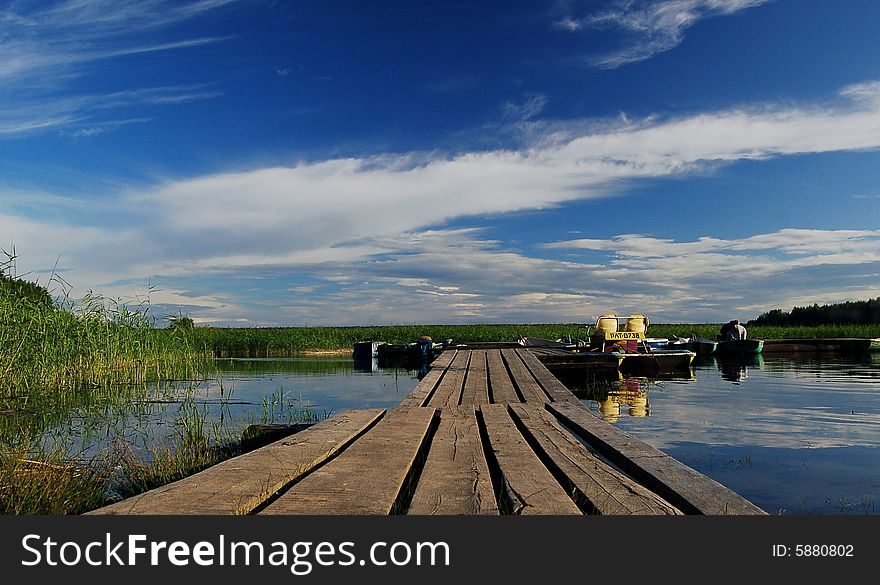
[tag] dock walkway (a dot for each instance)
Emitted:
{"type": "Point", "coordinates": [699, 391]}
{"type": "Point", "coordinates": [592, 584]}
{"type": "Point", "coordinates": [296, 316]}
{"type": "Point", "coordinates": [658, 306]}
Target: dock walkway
{"type": "Point", "coordinates": [486, 431]}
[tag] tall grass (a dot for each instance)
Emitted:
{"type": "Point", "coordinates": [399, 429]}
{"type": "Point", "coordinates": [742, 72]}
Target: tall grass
{"type": "Point", "coordinates": [39, 475]}
{"type": "Point", "coordinates": [37, 481]}
{"type": "Point", "coordinates": [59, 356]}
{"type": "Point", "coordinates": [93, 343]}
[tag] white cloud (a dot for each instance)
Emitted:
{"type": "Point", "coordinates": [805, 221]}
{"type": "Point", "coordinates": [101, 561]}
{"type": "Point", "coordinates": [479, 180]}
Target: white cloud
{"type": "Point", "coordinates": [655, 26]}
{"type": "Point", "coordinates": [315, 205]}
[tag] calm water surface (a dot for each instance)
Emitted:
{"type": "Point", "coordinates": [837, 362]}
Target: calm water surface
{"type": "Point", "coordinates": [242, 392]}
{"type": "Point", "coordinates": [795, 435]}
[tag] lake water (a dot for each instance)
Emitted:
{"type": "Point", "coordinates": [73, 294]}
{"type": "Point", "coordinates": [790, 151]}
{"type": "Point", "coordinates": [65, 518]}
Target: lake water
{"type": "Point", "coordinates": [240, 393]}
{"type": "Point", "coordinates": [795, 435]}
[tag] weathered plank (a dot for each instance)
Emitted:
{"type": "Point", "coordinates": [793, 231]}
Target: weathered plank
{"type": "Point", "coordinates": [422, 392]}
{"type": "Point", "coordinates": [476, 385]}
{"type": "Point", "coordinates": [240, 484]}
{"type": "Point", "coordinates": [605, 489]}
{"type": "Point", "coordinates": [551, 385]}
{"type": "Point", "coordinates": [680, 485]}
{"type": "Point", "coordinates": [529, 388]}
{"type": "Point", "coordinates": [455, 479]}
{"type": "Point", "coordinates": [500, 384]}
{"type": "Point", "coordinates": [529, 486]}
{"type": "Point", "coordinates": [367, 478]}
{"type": "Point", "coordinates": [449, 389]}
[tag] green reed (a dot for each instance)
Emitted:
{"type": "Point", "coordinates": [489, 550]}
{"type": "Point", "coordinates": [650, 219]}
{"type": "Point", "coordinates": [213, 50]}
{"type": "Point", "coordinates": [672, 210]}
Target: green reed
{"type": "Point", "coordinates": [280, 341]}
{"type": "Point", "coordinates": [92, 343]}
{"type": "Point", "coordinates": [34, 480]}
{"type": "Point", "coordinates": [44, 473]}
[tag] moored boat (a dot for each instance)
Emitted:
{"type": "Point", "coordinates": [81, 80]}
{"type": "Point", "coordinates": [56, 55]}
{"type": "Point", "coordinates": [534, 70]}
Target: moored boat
{"type": "Point", "coordinates": [422, 350]}
{"type": "Point", "coordinates": [657, 342]}
{"type": "Point", "coordinates": [365, 350]}
{"type": "Point", "coordinates": [654, 362]}
{"type": "Point", "coordinates": [702, 346]}
{"type": "Point", "coordinates": [739, 346]}
{"type": "Point", "coordinates": [638, 353]}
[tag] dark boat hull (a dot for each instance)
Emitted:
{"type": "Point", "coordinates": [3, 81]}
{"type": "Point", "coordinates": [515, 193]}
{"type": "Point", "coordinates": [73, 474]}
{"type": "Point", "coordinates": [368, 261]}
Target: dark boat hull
{"type": "Point", "coordinates": [702, 347]}
{"type": "Point", "coordinates": [655, 362]}
{"type": "Point", "coordinates": [740, 346]}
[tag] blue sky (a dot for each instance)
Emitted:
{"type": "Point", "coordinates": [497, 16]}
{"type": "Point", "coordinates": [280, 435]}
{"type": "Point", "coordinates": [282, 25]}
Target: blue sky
{"type": "Point", "coordinates": [261, 163]}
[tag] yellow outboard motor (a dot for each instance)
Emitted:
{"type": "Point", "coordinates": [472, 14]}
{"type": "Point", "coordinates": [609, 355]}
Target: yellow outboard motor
{"type": "Point", "coordinates": [637, 323]}
{"type": "Point", "coordinates": [606, 324]}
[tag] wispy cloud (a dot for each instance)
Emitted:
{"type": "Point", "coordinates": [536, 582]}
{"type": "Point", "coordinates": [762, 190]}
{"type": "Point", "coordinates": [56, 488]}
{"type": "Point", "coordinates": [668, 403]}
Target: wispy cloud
{"type": "Point", "coordinates": [527, 109]}
{"type": "Point", "coordinates": [652, 26]}
{"type": "Point", "coordinates": [76, 113]}
{"type": "Point", "coordinates": [48, 48]}
{"type": "Point", "coordinates": [104, 127]}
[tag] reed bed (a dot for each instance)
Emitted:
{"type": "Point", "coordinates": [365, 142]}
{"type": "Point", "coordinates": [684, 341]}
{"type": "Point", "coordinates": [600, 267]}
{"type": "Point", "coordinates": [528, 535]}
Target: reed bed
{"type": "Point", "coordinates": [94, 343]}
{"type": "Point", "coordinates": [287, 341]}
{"type": "Point", "coordinates": [281, 341]}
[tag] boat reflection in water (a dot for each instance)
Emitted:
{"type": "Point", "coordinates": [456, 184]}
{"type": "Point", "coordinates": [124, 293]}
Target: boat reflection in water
{"type": "Point", "coordinates": [628, 394]}
{"type": "Point", "coordinates": [733, 368]}
{"type": "Point", "coordinates": [615, 394]}
{"type": "Point", "coordinates": [369, 365]}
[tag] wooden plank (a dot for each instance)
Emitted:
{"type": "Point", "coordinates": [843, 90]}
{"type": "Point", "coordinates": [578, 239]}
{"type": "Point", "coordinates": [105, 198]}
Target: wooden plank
{"type": "Point", "coordinates": [369, 476]}
{"type": "Point", "coordinates": [529, 486]}
{"type": "Point", "coordinates": [500, 384]}
{"type": "Point", "coordinates": [476, 385]}
{"type": "Point", "coordinates": [449, 389]}
{"type": "Point", "coordinates": [551, 384]}
{"type": "Point", "coordinates": [426, 385]}
{"type": "Point", "coordinates": [455, 479]}
{"type": "Point", "coordinates": [529, 388]}
{"type": "Point", "coordinates": [605, 489]}
{"type": "Point", "coordinates": [680, 485]}
{"type": "Point", "coordinates": [240, 484]}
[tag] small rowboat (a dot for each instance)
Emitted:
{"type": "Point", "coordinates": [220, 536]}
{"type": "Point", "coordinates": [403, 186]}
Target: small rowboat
{"type": "Point", "coordinates": [702, 346]}
{"type": "Point", "coordinates": [740, 346]}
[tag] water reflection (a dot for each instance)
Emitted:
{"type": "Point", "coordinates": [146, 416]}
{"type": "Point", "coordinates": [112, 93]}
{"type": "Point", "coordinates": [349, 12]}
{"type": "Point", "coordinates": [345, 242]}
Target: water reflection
{"type": "Point", "coordinates": [735, 368]}
{"type": "Point", "coordinates": [245, 391]}
{"type": "Point", "coordinates": [628, 393]}
{"type": "Point", "coordinates": [367, 365]}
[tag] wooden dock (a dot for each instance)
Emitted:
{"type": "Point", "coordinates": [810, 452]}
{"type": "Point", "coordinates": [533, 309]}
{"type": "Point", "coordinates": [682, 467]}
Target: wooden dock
{"type": "Point", "coordinates": [486, 431]}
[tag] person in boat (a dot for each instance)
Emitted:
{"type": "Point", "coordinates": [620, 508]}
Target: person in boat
{"type": "Point", "coordinates": [725, 329]}
{"type": "Point", "coordinates": [733, 331]}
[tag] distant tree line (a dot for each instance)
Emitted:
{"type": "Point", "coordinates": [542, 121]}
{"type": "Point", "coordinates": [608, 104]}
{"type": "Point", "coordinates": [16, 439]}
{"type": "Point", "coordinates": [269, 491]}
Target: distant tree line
{"type": "Point", "coordinates": [852, 312]}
